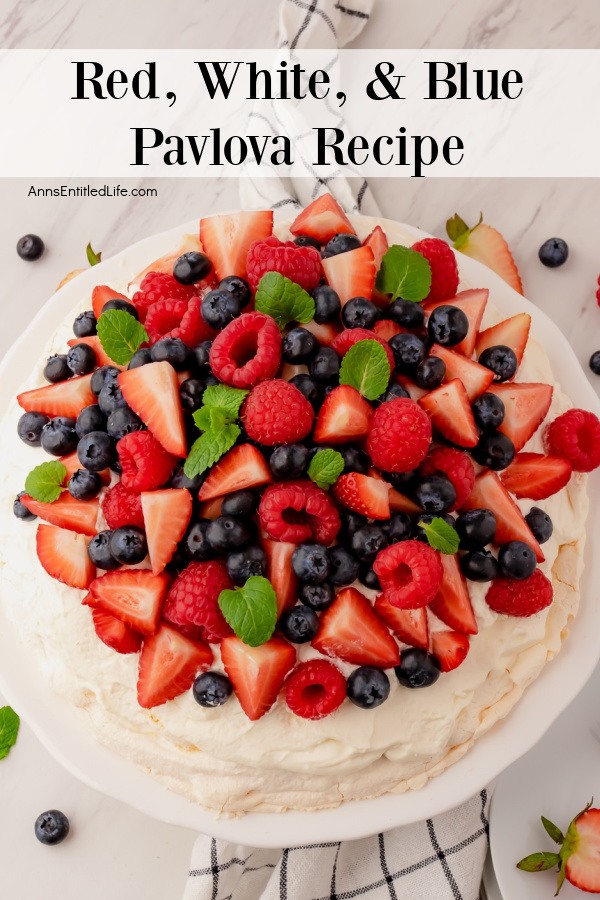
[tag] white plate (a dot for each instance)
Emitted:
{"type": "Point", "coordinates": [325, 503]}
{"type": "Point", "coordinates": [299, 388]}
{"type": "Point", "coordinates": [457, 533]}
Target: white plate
{"type": "Point", "coordinates": [57, 725]}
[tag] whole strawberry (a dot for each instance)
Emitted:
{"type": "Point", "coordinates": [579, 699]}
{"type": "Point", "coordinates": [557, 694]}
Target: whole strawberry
{"type": "Point", "coordinates": [300, 264]}
{"type": "Point", "coordinates": [444, 271]}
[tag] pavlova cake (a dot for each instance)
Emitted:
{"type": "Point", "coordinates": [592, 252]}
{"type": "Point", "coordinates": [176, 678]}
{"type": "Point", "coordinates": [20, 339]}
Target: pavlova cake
{"type": "Point", "coordinates": [301, 514]}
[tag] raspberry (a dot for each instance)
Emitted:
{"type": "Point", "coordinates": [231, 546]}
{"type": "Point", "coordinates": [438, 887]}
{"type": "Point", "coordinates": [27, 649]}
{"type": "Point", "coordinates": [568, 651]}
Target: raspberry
{"type": "Point", "coordinates": [351, 336]}
{"type": "Point", "coordinates": [298, 511]}
{"type": "Point", "coordinates": [247, 351]}
{"type": "Point", "coordinates": [457, 466]}
{"type": "Point", "coordinates": [178, 319]}
{"type": "Point", "coordinates": [158, 286]}
{"type": "Point", "coordinates": [300, 264]}
{"type": "Point", "coordinates": [576, 436]}
{"type": "Point", "coordinates": [192, 602]}
{"type": "Point", "coordinates": [520, 598]}
{"type": "Point", "coordinates": [315, 689]}
{"type": "Point", "coordinates": [122, 507]}
{"type": "Point", "coordinates": [444, 271]}
{"type": "Point", "coordinates": [145, 463]}
{"type": "Point", "coordinates": [399, 436]}
{"type": "Point", "coordinates": [410, 573]}
{"type": "Point", "coordinates": [276, 412]}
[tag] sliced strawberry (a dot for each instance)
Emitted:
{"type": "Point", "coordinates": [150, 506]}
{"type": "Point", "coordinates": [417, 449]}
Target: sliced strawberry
{"type": "Point", "coordinates": [582, 852]}
{"type": "Point", "coordinates": [450, 412]}
{"type": "Point", "coordinates": [66, 512]}
{"type": "Point", "coordinates": [378, 242]}
{"type": "Point", "coordinates": [67, 398]}
{"type": "Point", "coordinates": [472, 303]}
{"type": "Point", "coordinates": [351, 274]}
{"type": "Point", "coordinates": [450, 648]}
{"type": "Point", "coordinates": [101, 294]}
{"type": "Point", "coordinates": [386, 329]}
{"type": "Point", "coordinates": [409, 625]}
{"type": "Point", "coordinates": [489, 493]}
{"type": "Point", "coordinates": [363, 494]}
{"type": "Point", "coordinates": [325, 333]}
{"type": "Point", "coordinates": [536, 476]}
{"type": "Point", "coordinates": [343, 417]}
{"type": "Point", "coordinates": [351, 631]}
{"type": "Point", "coordinates": [452, 604]}
{"type": "Point", "coordinates": [351, 336]}
{"type": "Point", "coordinates": [398, 502]}
{"type": "Point", "coordinates": [169, 662]}
{"type": "Point", "coordinates": [241, 468]}
{"type": "Point", "coordinates": [135, 596]}
{"type": "Point", "coordinates": [227, 238]}
{"type": "Point", "coordinates": [166, 516]}
{"type": "Point", "coordinates": [152, 391]}
{"type": "Point", "coordinates": [513, 333]}
{"type": "Point", "coordinates": [72, 464]}
{"type": "Point", "coordinates": [64, 556]}
{"type": "Point", "coordinates": [525, 408]}
{"type": "Point", "coordinates": [211, 509]}
{"type": "Point", "coordinates": [257, 673]}
{"type": "Point", "coordinates": [102, 357]}
{"type": "Point", "coordinates": [413, 390]}
{"type": "Point", "coordinates": [280, 573]}
{"type": "Point", "coordinates": [475, 378]}
{"type": "Point", "coordinates": [116, 634]}
{"type": "Point", "coordinates": [487, 246]}
{"type": "Point", "coordinates": [322, 219]}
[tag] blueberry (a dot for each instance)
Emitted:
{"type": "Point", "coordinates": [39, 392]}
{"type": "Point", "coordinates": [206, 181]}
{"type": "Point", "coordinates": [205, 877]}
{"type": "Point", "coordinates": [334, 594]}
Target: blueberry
{"type": "Point", "coordinates": [141, 357]}
{"type": "Point", "coordinates": [325, 366]}
{"type": "Point", "coordinates": [409, 350]}
{"type": "Point", "coordinates": [57, 369]}
{"type": "Point", "coordinates": [101, 377]}
{"type": "Point", "coordinates": [488, 412]}
{"type": "Point", "coordinates": [394, 392]}
{"type": "Point", "coordinates": [553, 252]}
{"type": "Point", "coordinates": [368, 687]}
{"type": "Point", "coordinates": [476, 528]}
{"type": "Point", "coordinates": [417, 668]}
{"type": "Point", "coordinates": [85, 324]}
{"type": "Point", "coordinates": [211, 380]}
{"type": "Point", "coordinates": [501, 360]}
{"type": "Point", "coordinates": [84, 485]}
{"type": "Point", "coordinates": [359, 313]}
{"type": "Point", "coordinates": [180, 480]}
{"type": "Point", "coordinates": [340, 243]}
{"type": "Point", "coordinates": [516, 560]}
{"type": "Point", "coordinates": [228, 533]}
{"type": "Point", "coordinates": [307, 387]}
{"type": "Point", "coordinates": [430, 373]}
{"type": "Point", "coordinates": [299, 346]}
{"type": "Point", "coordinates": [311, 563]}
{"type": "Point", "coordinates": [171, 350]}
{"type": "Point", "coordinates": [212, 689]}
{"type": "Point", "coordinates": [240, 503]}
{"type": "Point", "coordinates": [191, 392]}
{"type": "Point", "coordinates": [343, 566]}
{"type": "Point", "coordinates": [52, 826]}
{"type": "Point", "coordinates": [318, 596]}
{"type": "Point", "coordinates": [99, 552]}
{"type": "Point", "coordinates": [238, 288]}
{"type": "Point", "coordinates": [355, 460]}
{"type": "Point", "coordinates": [406, 314]}
{"type": "Point", "coordinates": [111, 398]}
{"type": "Point", "coordinates": [435, 493]}
{"type": "Point", "coordinates": [81, 359]}
{"type": "Point", "coordinates": [96, 451]}
{"type": "Point", "coordinates": [368, 577]}
{"type": "Point", "coordinates": [29, 427]}
{"type": "Point", "coordinates": [199, 358]}
{"type": "Point", "coordinates": [122, 306]}
{"type": "Point", "coordinates": [242, 564]}
{"type": "Point", "coordinates": [447, 325]}
{"type": "Point", "coordinates": [479, 565]}
{"type": "Point", "coordinates": [128, 545]}
{"type": "Point", "coordinates": [495, 451]}
{"type": "Point", "coordinates": [595, 362]}
{"type": "Point", "coordinates": [305, 240]}
{"type": "Point", "coordinates": [299, 625]}
{"type": "Point", "coordinates": [399, 528]}
{"type": "Point", "coordinates": [327, 304]}
{"type": "Point", "coordinates": [20, 510]}
{"type": "Point", "coordinates": [123, 421]}
{"type": "Point", "coordinates": [91, 418]}
{"type": "Point", "coordinates": [195, 543]}
{"type": "Point", "coordinates": [30, 247]}
{"type": "Point", "coordinates": [192, 267]}
{"type": "Point", "coordinates": [368, 541]}
{"type": "Point", "coordinates": [219, 308]}
{"type": "Point", "coordinates": [59, 436]}
{"type": "Point", "coordinates": [540, 524]}
{"type": "Point", "coordinates": [289, 461]}
{"type": "Point", "coordinates": [351, 522]}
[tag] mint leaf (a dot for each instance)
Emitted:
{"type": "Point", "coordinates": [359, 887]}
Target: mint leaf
{"type": "Point", "coordinates": [251, 610]}
{"type": "Point", "coordinates": [44, 483]}
{"type": "Point", "coordinates": [208, 418]}
{"type": "Point", "coordinates": [404, 273]}
{"type": "Point", "coordinates": [366, 367]}
{"type": "Point", "coordinates": [325, 468]}
{"type": "Point", "coordinates": [553, 830]}
{"type": "Point", "coordinates": [120, 335]}
{"type": "Point", "coordinates": [538, 862]}
{"type": "Point", "coordinates": [283, 300]}
{"type": "Point", "coordinates": [92, 257]}
{"type": "Point", "coordinates": [440, 535]}
{"type": "Point", "coordinates": [226, 398]}
{"type": "Point", "coordinates": [208, 448]}
{"type": "Point", "coordinates": [458, 231]}
{"type": "Point", "coordinates": [9, 729]}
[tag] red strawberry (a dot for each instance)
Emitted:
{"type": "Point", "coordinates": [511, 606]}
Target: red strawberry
{"type": "Point", "coordinates": [398, 502]}
{"type": "Point", "coordinates": [135, 596]}
{"type": "Point", "coordinates": [66, 512]}
{"type": "Point", "coordinates": [536, 476]}
{"type": "Point", "coordinates": [386, 329]}
{"type": "Point", "coordinates": [72, 464]}
{"type": "Point", "coordinates": [242, 468]}
{"type": "Point", "coordinates": [211, 509]}
{"type": "Point", "coordinates": [489, 493]}
{"type": "Point", "coordinates": [115, 634]}
{"type": "Point", "coordinates": [169, 662]}
{"type": "Point", "coordinates": [102, 357]}
{"type": "Point", "coordinates": [413, 390]}
{"type": "Point", "coordinates": [475, 378]}
{"type": "Point", "coordinates": [122, 507]}
{"type": "Point", "coordinates": [315, 689]}
{"type": "Point", "coordinates": [378, 242]}
{"type": "Point", "coordinates": [525, 408]}
{"type": "Point", "coordinates": [452, 604]}
{"type": "Point", "coordinates": [226, 239]}
{"type": "Point", "coordinates": [344, 416]}
{"type": "Point", "coordinates": [325, 333]}
{"type": "Point", "coordinates": [410, 573]}
{"type": "Point", "coordinates": [351, 336]}
{"type": "Point", "coordinates": [513, 333]}
{"type": "Point", "coordinates": [67, 398]}
{"type": "Point", "coordinates": [192, 601]}
{"type": "Point", "coordinates": [166, 516]}
{"type": "Point", "coordinates": [485, 244]}
{"type": "Point", "coordinates": [351, 274]}
{"type": "Point", "coordinates": [64, 556]}
{"type": "Point", "coordinates": [363, 494]}
{"type": "Point", "coordinates": [257, 673]}
{"type": "Point", "coordinates": [409, 625]}
{"type": "Point", "coordinates": [472, 303]}
{"type": "Point", "coordinates": [101, 294]}
{"type": "Point", "coordinates": [457, 466]}
{"type": "Point", "coordinates": [450, 412]}
{"type": "Point", "coordinates": [145, 464]}
{"type": "Point", "coordinates": [322, 219]}
{"type": "Point", "coordinates": [351, 631]}
{"type": "Point", "coordinates": [520, 598]}
{"type": "Point", "coordinates": [280, 573]}
{"type": "Point", "coordinates": [450, 647]}
{"type": "Point", "coordinates": [444, 271]}
{"type": "Point", "coordinates": [152, 391]}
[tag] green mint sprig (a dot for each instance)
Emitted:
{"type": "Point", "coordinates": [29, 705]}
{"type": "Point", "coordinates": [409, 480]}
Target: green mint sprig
{"type": "Point", "coordinates": [440, 535]}
{"type": "Point", "coordinates": [121, 335]}
{"type": "Point", "coordinates": [325, 468]}
{"type": "Point", "coordinates": [283, 300]}
{"type": "Point", "coordinates": [217, 419]}
{"type": "Point", "coordinates": [45, 482]}
{"type": "Point", "coordinates": [404, 273]}
{"type": "Point", "coordinates": [251, 610]}
{"type": "Point", "coordinates": [9, 729]}
{"type": "Point", "coordinates": [458, 231]}
{"type": "Point", "coordinates": [92, 257]}
{"type": "Point", "coordinates": [366, 367]}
